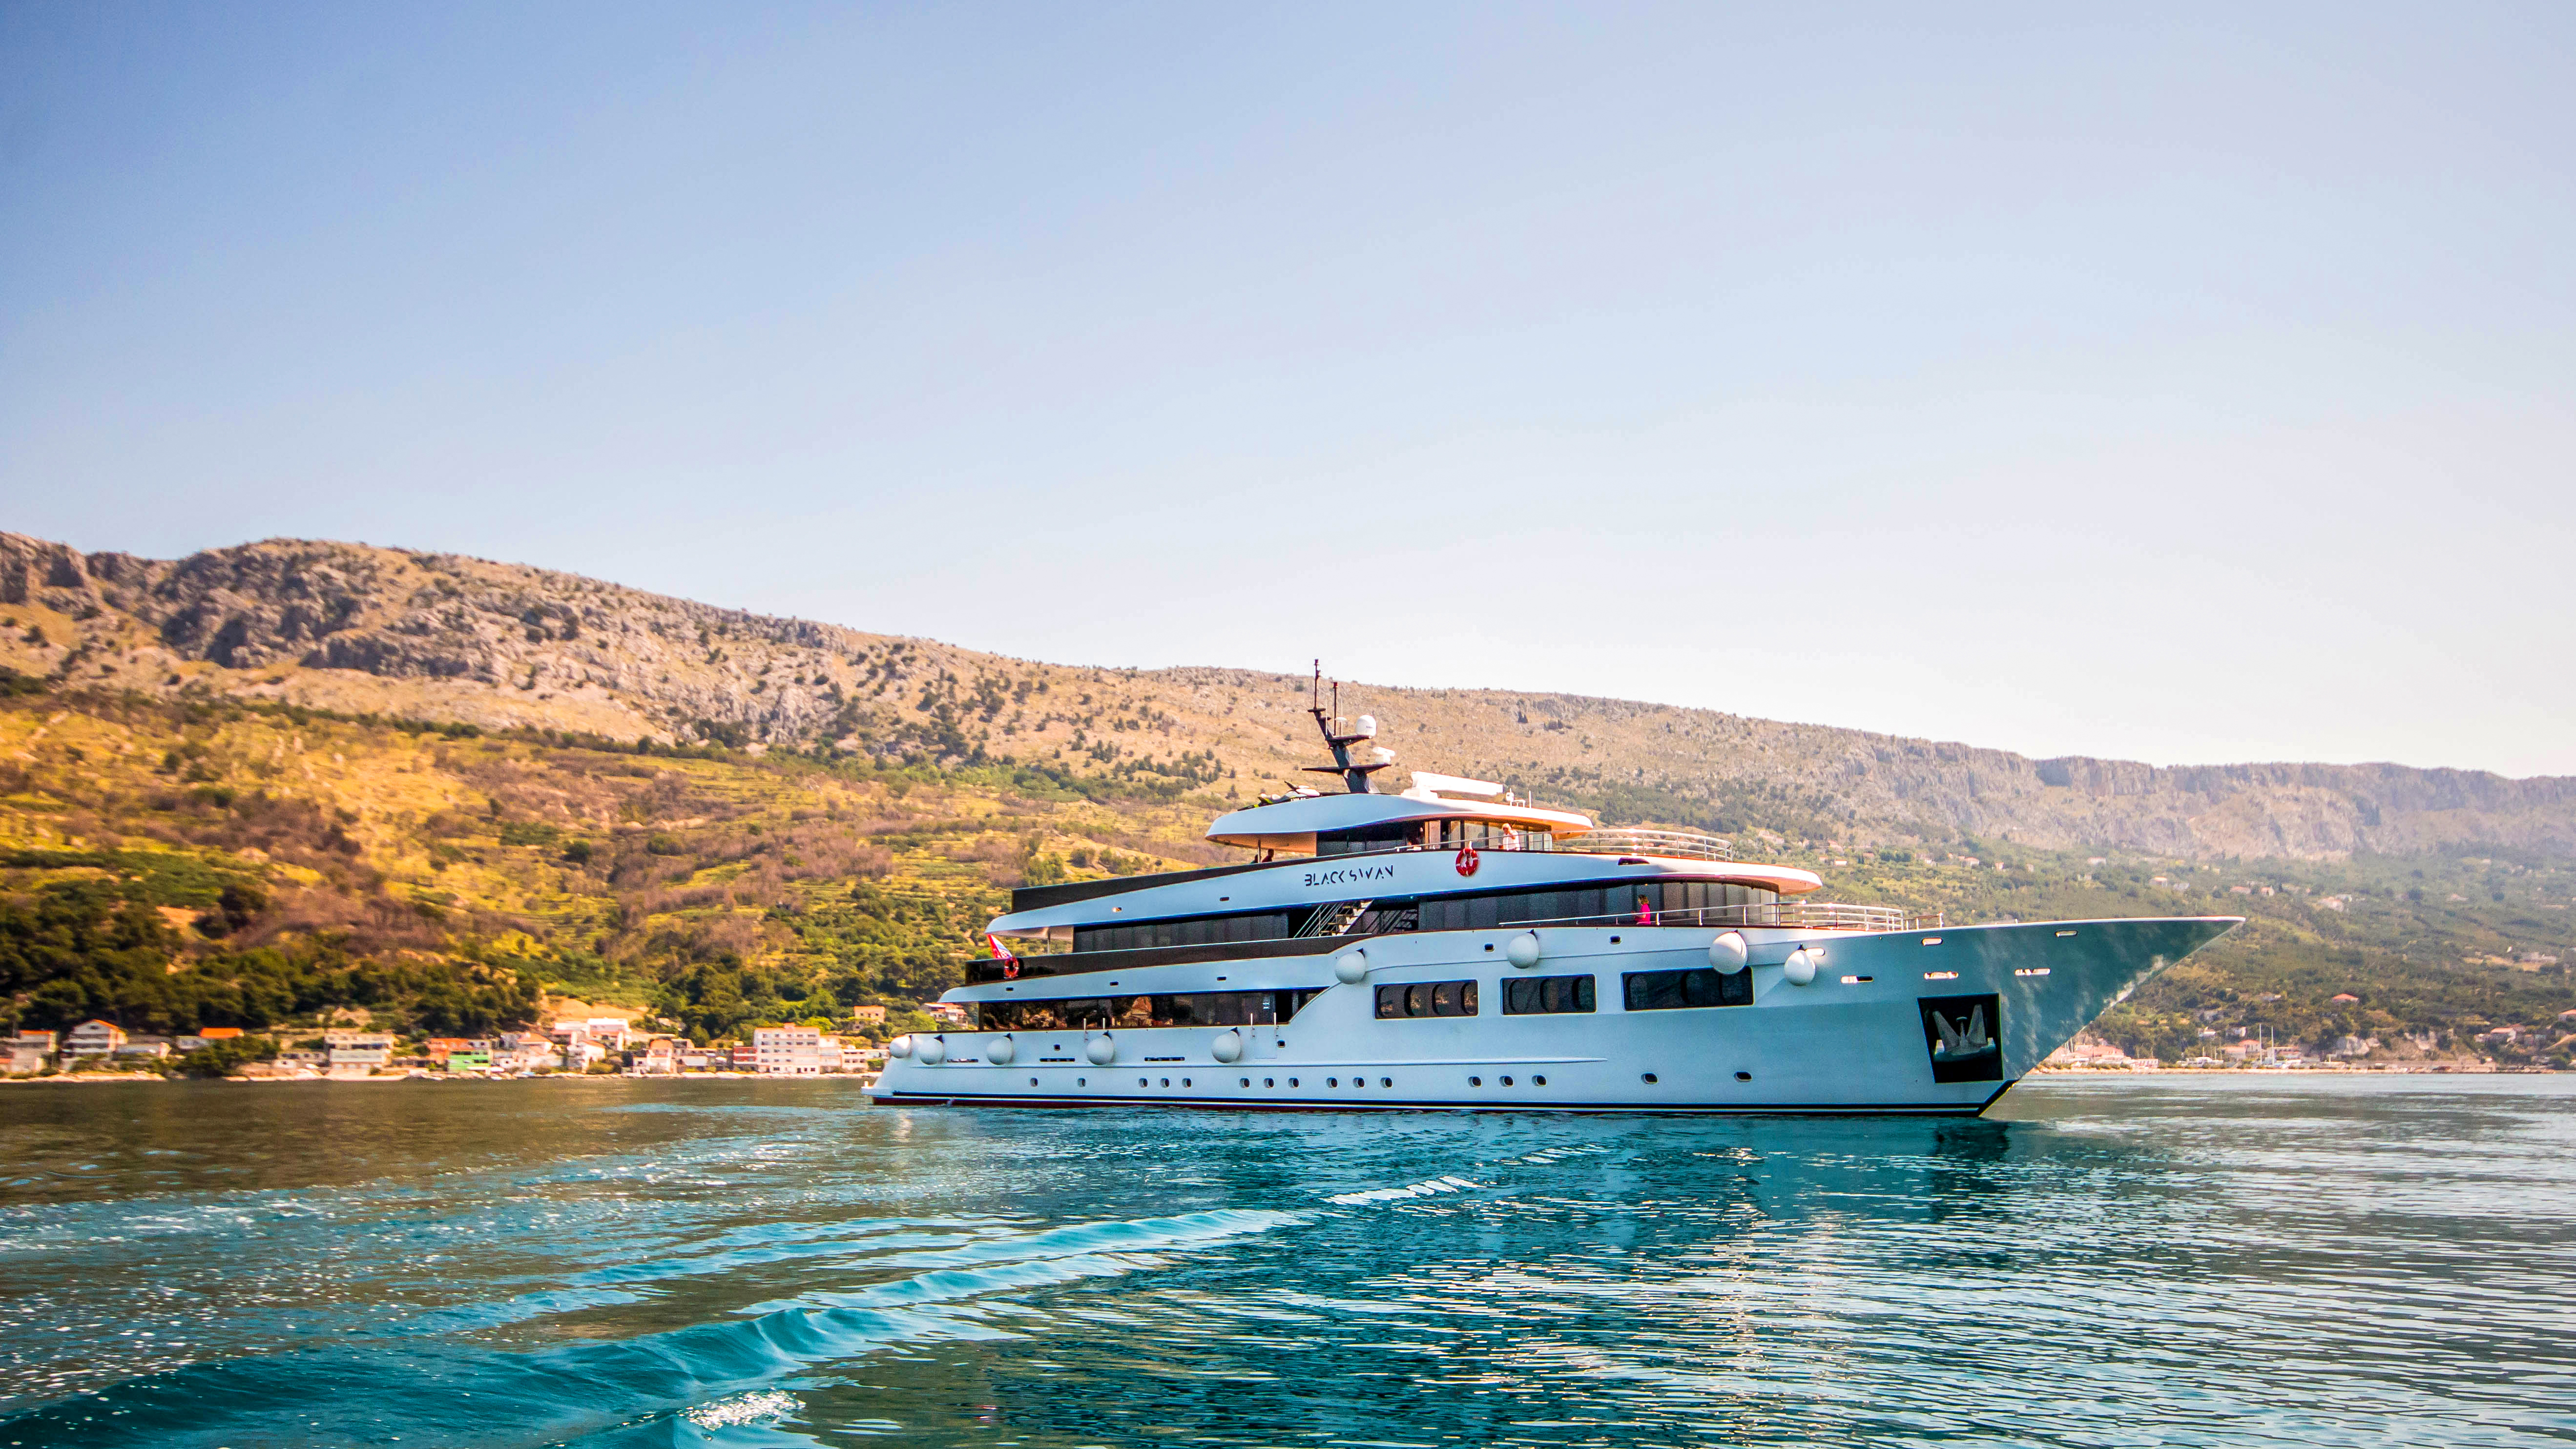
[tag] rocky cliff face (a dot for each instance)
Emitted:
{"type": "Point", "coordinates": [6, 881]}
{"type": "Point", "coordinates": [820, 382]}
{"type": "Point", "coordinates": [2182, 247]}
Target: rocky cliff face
{"type": "Point", "coordinates": [440, 636]}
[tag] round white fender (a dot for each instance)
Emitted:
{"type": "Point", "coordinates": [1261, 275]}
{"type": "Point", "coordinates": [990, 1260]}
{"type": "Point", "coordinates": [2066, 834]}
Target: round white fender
{"type": "Point", "coordinates": [900, 1047]}
{"type": "Point", "coordinates": [1727, 952]}
{"type": "Point", "coordinates": [1100, 1050]}
{"type": "Point", "coordinates": [999, 1051]}
{"type": "Point", "coordinates": [930, 1051]}
{"type": "Point", "coordinates": [1522, 950]}
{"type": "Point", "coordinates": [1227, 1048]}
{"type": "Point", "coordinates": [1351, 967]}
{"type": "Point", "coordinates": [1800, 968]}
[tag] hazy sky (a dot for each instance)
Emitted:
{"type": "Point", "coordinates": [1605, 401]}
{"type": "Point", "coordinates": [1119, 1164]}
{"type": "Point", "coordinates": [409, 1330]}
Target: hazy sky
{"type": "Point", "coordinates": [2192, 388]}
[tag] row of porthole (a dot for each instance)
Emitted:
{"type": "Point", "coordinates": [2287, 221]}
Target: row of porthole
{"type": "Point", "coordinates": [1357, 1083]}
{"type": "Point", "coordinates": [1360, 1082]}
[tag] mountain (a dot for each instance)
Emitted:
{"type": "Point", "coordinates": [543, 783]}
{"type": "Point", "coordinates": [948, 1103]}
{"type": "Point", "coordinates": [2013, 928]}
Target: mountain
{"type": "Point", "coordinates": [290, 784]}
{"type": "Point", "coordinates": [410, 635]}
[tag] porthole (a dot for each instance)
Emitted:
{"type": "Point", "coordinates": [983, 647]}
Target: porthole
{"type": "Point", "coordinates": [1140, 1081]}
{"type": "Point", "coordinates": [1648, 1079]}
{"type": "Point", "coordinates": [1507, 1081]}
{"type": "Point", "coordinates": [1033, 1081]}
{"type": "Point", "coordinates": [1332, 1081]}
{"type": "Point", "coordinates": [1246, 1082]}
{"type": "Point", "coordinates": [1082, 1081]}
{"type": "Point", "coordinates": [1538, 1081]}
{"type": "Point", "coordinates": [1185, 1081]}
{"type": "Point", "coordinates": [1386, 1081]}
{"type": "Point", "coordinates": [1744, 1076]}
{"type": "Point", "coordinates": [1167, 1081]}
{"type": "Point", "coordinates": [1292, 1081]}
{"type": "Point", "coordinates": [1475, 1081]}
{"type": "Point", "coordinates": [1269, 1082]}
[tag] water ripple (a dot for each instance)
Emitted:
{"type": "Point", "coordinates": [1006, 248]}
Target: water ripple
{"type": "Point", "coordinates": [2224, 1261]}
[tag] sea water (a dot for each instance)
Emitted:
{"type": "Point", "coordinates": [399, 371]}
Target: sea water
{"type": "Point", "coordinates": [2204, 1260]}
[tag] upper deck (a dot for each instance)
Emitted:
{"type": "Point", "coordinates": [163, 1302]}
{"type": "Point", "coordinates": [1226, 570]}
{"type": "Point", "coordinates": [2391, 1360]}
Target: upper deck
{"type": "Point", "coordinates": [1447, 854]}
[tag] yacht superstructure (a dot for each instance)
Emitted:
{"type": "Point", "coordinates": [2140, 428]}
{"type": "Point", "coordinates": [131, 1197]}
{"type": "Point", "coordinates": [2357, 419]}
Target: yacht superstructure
{"type": "Point", "coordinates": [1456, 947]}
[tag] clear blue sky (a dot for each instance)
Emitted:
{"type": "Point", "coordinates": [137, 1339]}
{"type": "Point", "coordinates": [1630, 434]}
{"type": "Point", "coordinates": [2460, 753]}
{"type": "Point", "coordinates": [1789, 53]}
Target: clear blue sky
{"type": "Point", "coordinates": [2189, 388]}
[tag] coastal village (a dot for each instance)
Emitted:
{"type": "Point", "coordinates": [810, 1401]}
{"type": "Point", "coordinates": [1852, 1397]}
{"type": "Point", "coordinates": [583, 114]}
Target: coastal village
{"type": "Point", "coordinates": [587, 1045]}
{"type": "Point", "coordinates": [614, 1045]}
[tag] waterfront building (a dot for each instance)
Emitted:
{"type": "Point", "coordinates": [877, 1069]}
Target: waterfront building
{"type": "Point", "coordinates": [345, 1049]}
{"type": "Point", "coordinates": [868, 1015]}
{"type": "Point", "coordinates": [793, 1051]}
{"type": "Point", "coordinates": [29, 1051]}
{"type": "Point", "coordinates": [744, 1058]}
{"type": "Point", "coordinates": [94, 1038]}
{"type": "Point", "coordinates": [467, 1059]}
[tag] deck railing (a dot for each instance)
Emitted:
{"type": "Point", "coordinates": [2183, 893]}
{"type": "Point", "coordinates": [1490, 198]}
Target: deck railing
{"type": "Point", "coordinates": [1788, 915]}
{"type": "Point", "coordinates": [1686, 844]}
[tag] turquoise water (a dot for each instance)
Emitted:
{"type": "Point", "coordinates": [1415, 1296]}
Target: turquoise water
{"type": "Point", "coordinates": [2219, 1261]}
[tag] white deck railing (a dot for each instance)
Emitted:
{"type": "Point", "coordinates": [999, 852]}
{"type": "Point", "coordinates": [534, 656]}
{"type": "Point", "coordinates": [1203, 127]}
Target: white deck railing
{"type": "Point", "coordinates": [1685, 844]}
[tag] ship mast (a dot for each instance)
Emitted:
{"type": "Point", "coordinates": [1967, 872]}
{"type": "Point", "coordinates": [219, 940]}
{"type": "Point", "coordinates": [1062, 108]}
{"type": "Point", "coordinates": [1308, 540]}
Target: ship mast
{"type": "Point", "coordinates": [1355, 776]}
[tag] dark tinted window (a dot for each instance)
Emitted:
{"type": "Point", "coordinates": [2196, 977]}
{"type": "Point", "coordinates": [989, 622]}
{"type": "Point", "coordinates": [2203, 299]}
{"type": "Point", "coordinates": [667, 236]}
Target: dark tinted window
{"type": "Point", "coordinates": [1201, 931]}
{"type": "Point", "coordinates": [1529, 995]}
{"type": "Point", "coordinates": [1099, 1013]}
{"type": "Point", "coordinates": [1671, 990]}
{"type": "Point", "coordinates": [1427, 998]}
{"type": "Point", "coordinates": [1671, 903]}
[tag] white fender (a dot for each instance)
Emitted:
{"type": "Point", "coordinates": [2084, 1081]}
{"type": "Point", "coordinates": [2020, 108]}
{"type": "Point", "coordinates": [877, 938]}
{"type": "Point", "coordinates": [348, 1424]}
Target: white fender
{"type": "Point", "coordinates": [1100, 1050]}
{"type": "Point", "coordinates": [1727, 952]}
{"type": "Point", "coordinates": [1800, 968]}
{"type": "Point", "coordinates": [900, 1047]}
{"type": "Point", "coordinates": [999, 1051]}
{"type": "Point", "coordinates": [1227, 1048]}
{"type": "Point", "coordinates": [1522, 950]}
{"type": "Point", "coordinates": [930, 1051]}
{"type": "Point", "coordinates": [1351, 967]}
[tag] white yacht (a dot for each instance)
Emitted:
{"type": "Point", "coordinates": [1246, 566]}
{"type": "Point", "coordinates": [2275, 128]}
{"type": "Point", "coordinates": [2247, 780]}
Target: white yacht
{"type": "Point", "coordinates": [1453, 947]}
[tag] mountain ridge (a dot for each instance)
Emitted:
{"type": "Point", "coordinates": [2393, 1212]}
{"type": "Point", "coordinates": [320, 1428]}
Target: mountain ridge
{"type": "Point", "coordinates": [442, 636]}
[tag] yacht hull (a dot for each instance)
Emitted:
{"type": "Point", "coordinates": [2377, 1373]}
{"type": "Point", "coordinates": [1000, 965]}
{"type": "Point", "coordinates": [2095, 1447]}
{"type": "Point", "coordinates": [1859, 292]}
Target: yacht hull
{"type": "Point", "coordinates": [1935, 1023]}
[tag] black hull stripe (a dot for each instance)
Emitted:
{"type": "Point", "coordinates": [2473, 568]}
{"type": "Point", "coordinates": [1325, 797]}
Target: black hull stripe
{"type": "Point", "coordinates": [1222, 1104]}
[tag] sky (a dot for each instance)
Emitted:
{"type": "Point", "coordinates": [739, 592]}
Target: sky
{"type": "Point", "coordinates": [2191, 385]}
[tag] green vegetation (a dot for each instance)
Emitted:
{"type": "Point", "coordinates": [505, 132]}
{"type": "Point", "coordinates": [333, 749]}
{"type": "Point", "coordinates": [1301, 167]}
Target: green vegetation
{"type": "Point", "coordinates": [170, 866]}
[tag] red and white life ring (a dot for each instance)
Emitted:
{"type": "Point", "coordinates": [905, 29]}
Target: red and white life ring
{"type": "Point", "coordinates": [1467, 861]}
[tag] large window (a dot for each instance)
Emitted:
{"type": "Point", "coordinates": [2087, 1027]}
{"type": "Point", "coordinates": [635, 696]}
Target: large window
{"type": "Point", "coordinates": [1646, 903]}
{"type": "Point", "coordinates": [1673, 990]}
{"type": "Point", "coordinates": [1485, 835]}
{"type": "Point", "coordinates": [1427, 998]}
{"type": "Point", "coordinates": [1202, 931]}
{"type": "Point", "coordinates": [1669, 903]}
{"type": "Point", "coordinates": [1533, 995]}
{"type": "Point", "coordinates": [1102, 1013]}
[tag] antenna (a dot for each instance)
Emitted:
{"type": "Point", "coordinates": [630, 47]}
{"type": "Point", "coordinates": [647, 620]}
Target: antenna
{"type": "Point", "coordinates": [1355, 776]}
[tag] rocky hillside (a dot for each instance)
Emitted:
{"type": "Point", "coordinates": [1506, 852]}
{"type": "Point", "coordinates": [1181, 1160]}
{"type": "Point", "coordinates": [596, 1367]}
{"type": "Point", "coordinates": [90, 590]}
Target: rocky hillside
{"type": "Point", "coordinates": [365, 630]}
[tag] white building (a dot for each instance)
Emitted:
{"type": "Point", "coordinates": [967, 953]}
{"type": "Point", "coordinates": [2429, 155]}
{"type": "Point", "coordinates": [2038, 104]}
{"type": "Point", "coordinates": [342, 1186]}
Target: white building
{"type": "Point", "coordinates": [794, 1051]}
{"type": "Point", "coordinates": [28, 1051]}
{"type": "Point", "coordinates": [358, 1048]}
{"type": "Point", "coordinates": [94, 1039]}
